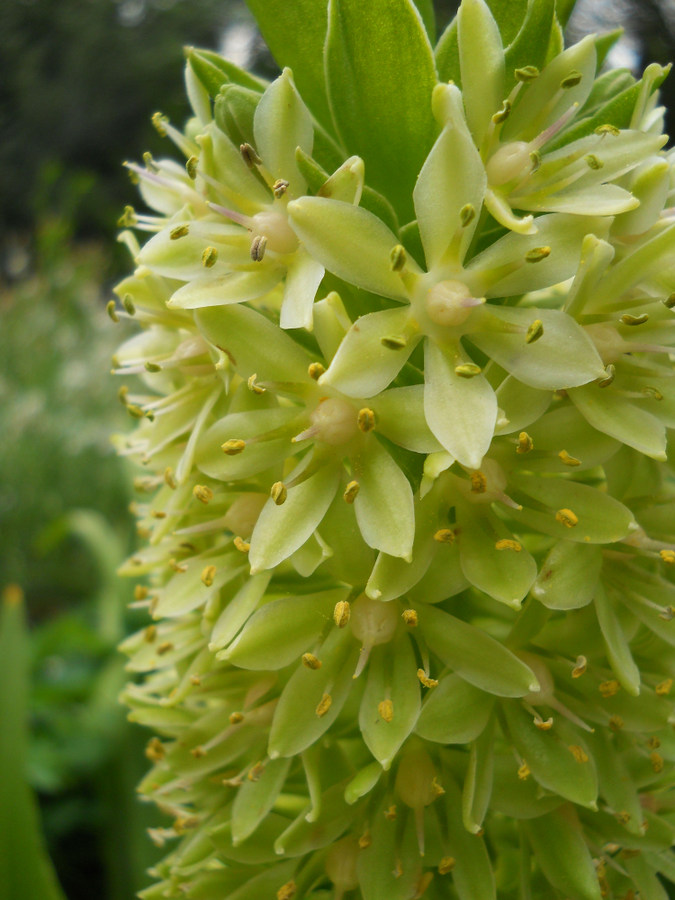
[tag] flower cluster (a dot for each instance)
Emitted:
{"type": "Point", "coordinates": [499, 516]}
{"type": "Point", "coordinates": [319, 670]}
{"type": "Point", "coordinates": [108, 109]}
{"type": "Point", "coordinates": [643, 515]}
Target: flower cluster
{"type": "Point", "coordinates": [408, 517]}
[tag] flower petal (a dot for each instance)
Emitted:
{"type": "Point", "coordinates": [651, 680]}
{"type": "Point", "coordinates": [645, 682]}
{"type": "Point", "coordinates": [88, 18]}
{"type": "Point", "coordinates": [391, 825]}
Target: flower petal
{"type": "Point", "coordinates": [233, 287]}
{"type": "Point", "coordinates": [303, 278]}
{"type": "Point", "coordinates": [400, 417]}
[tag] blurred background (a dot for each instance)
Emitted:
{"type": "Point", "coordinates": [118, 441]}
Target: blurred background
{"type": "Point", "coordinates": [79, 80]}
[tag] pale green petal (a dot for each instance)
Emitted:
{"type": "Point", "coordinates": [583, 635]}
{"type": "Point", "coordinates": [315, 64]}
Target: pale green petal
{"type": "Point", "coordinates": [384, 504]}
{"type": "Point", "coordinates": [181, 258]}
{"type": "Point", "coordinates": [256, 797]}
{"type": "Point", "coordinates": [346, 183]}
{"type": "Point", "coordinates": [350, 242]}
{"type": "Point", "coordinates": [223, 161]}
{"type": "Point", "coordinates": [461, 412]}
{"type": "Point", "coordinates": [624, 420]}
{"type": "Point", "coordinates": [282, 122]}
{"type": "Point", "coordinates": [363, 366]}
{"type": "Point", "coordinates": [569, 575]}
{"type": "Point", "coordinates": [521, 405]}
{"type": "Point", "coordinates": [303, 278]}
{"type": "Point", "coordinates": [649, 183]}
{"type": "Point", "coordinates": [454, 712]}
{"type": "Point", "coordinates": [237, 611]}
{"type": "Point", "coordinates": [563, 855]}
{"type": "Point", "coordinates": [280, 530]}
{"type": "Point", "coordinates": [400, 417]}
{"type": "Point", "coordinates": [563, 357]}
{"type": "Point", "coordinates": [499, 208]}
{"type": "Point", "coordinates": [596, 200]}
{"type": "Point", "coordinates": [616, 641]}
{"type": "Point", "coordinates": [233, 287]}
{"type": "Point", "coordinates": [452, 177]}
{"type": "Point", "coordinates": [481, 56]}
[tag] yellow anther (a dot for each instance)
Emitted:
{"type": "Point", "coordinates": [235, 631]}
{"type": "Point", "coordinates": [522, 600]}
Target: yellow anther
{"type": "Point", "coordinates": [423, 883]}
{"type": "Point", "coordinates": [536, 254]}
{"type": "Point", "coordinates": [669, 301]}
{"type": "Point", "coordinates": [610, 371]}
{"type": "Point", "coordinates": [135, 411]}
{"type": "Point", "coordinates": [287, 891]}
{"type": "Point", "coordinates": [593, 162]}
{"type": "Point", "coordinates": [255, 772]}
{"type": "Point", "coordinates": [609, 688]}
{"type": "Point", "coordinates": [253, 386]}
{"type": "Point", "coordinates": [258, 247]}
{"type": "Point", "coordinates": [567, 518]}
{"type": "Point", "coordinates": [366, 420]}
{"type": "Point", "coordinates": [526, 73]}
{"type": "Point", "coordinates": [208, 575]}
{"type": "Point", "coordinates": [324, 705]}
{"type": "Point", "coordinates": [543, 724]}
{"type": "Point", "coordinates": [467, 214]}
{"type": "Point", "coordinates": [579, 667]}
{"type": "Point", "coordinates": [657, 762]}
{"type": "Point", "coordinates": [534, 332]}
{"type": "Point", "coordinates": [571, 80]}
{"type": "Point", "coordinates": [445, 536]}
{"type": "Point", "coordinates": [525, 443]}
{"type": "Point", "coordinates": [447, 864]}
{"type": "Point", "coordinates": [154, 750]}
{"type": "Point", "coordinates": [164, 647]}
{"type": "Point", "coordinates": [209, 257]}
{"type": "Point", "coordinates": [398, 868]}
{"type": "Point", "coordinates": [249, 155]}
{"type": "Point", "coordinates": [235, 718]}
{"type": "Point", "coordinates": [398, 258]}
{"type": "Point", "coordinates": [177, 567]}
{"type": "Point", "coordinates": [112, 312]}
{"type": "Point", "coordinates": [425, 680]}
{"type": "Point", "coordinates": [342, 613]}
{"type": "Point", "coordinates": [390, 813]}
{"type": "Point", "coordinates": [203, 493]}
{"type": "Point", "coordinates": [568, 460]}
{"type": "Point", "coordinates": [437, 788]}
{"type": "Point", "coordinates": [122, 394]}
{"type": "Point", "coordinates": [628, 319]}
{"type": "Point", "coordinates": [394, 341]}
{"type": "Point", "coordinates": [508, 544]}
{"type": "Point", "coordinates": [152, 367]}
{"type": "Point", "coordinates": [191, 167]}
{"type": "Point", "coordinates": [159, 122]}
{"type": "Point", "coordinates": [310, 661]}
{"type": "Point", "coordinates": [279, 492]}
{"type": "Point", "coordinates": [478, 482]}
{"type": "Point", "coordinates": [365, 840]}
{"type": "Point", "coordinates": [178, 232]}
{"type": "Point", "coordinates": [410, 617]}
{"type": "Point", "coordinates": [351, 491]}
{"type": "Point", "coordinates": [623, 817]}
{"type": "Point", "coordinates": [128, 218]}
{"type": "Point", "coordinates": [150, 634]}
{"type": "Point", "coordinates": [668, 556]}
{"type": "Point", "coordinates": [241, 545]}
{"type": "Point", "coordinates": [169, 479]}
{"type": "Point", "coordinates": [467, 370]}
{"type": "Point", "coordinates": [524, 771]}
{"type": "Point", "coordinates": [502, 115]}
{"type": "Point", "coordinates": [128, 305]}
{"type": "Point", "coordinates": [653, 743]}
{"type": "Point", "coordinates": [652, 392]}
{"type": "Point", "coordinates": [616, 723]}
{"type": "Point", "coordinates": [279, 187]}
{"type": "Point", "coordinates": [385, 709]}
{"type": "Point", "coordinates": [233, 446]}
{"type": "Point", "coordinates": [315, 370]}
{"type": "Point", "coordinates": [195, 680]}
{"type": "Point", "coordinates": [608, 129]}
{"type": "Point", "coordinates": [664, 688]}
{"type": "Point", "coordinates": [140, 592]}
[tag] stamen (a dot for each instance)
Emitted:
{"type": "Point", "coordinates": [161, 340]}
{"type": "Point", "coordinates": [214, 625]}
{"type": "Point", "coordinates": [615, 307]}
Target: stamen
{"type": "Point", "coordinates": [445, 536]}
{"type": "Point", "coordinates": [342, 613]}
{"type": "Point", "coordinates": [279, 188]}
{"type": "Point", "coordinates": [203, 493]}
{"type": "Point", "coordinates": [628, 319]}
{"type": "Point", "coordinates": [424, 679]}
{"type": "Point", "coordinates": [537, 254]}
{"type": "Point", "coordinates": [571, 80]}
{"type": "Point", "coordinates": [233, 446]}
{"type": "Point", "coordinates": [208, 575]}
{"type": "Point", "coordinates": [191, 167]}
{"type": "Point", "coordinates": [112, 312]}
{"type": "Point", "coordinates": [178, 232]}
{"type": "Point", "coordinates": [609, 377]}
{"type": "Point", "coordinates": [467, 370]}
{"type": "Point", "coordinates": [310, 661]}
{"type": "Point", "coordinates": [394, 341]}
{"type": "Point", "coordinates": [410, 617]}
{"type": "Point", "coordinates": [279, 492]}
{"type": "Point", "coordinates": [209, 257]}
{"type": "Point", "coordinates": [324, 705]}
{"type": "Point", "coordinates": [351, 491]}
{"type": "Point", "coordinates": [525, 443]}
{"type": "Point", "coordinates": [568, 460]}
{"type": "Point", "coordinates": [526, 74]}
{"type": "Point", "coordinates": [467, 214]}
{"type": "Point", "coordinates": [315, 370]}
{"type": "Point", "coordinates": [385, 709]}
{"type": "Point", "coordinates": [508, 544]}
{"type": "Point", "coordinates": [249, 156]}
{"type": "Point", "coordinates": [258, 247]}
{"type": "Point", "coordinates": [398, 258]}
{"type": "Point", "coordinates": [567, 518]}
{"type": "Point", "coordinates": [534, 332]}
{"type": "Point", "coordinates": [366, 420]}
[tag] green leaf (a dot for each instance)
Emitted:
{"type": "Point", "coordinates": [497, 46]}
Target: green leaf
{"type": "Point", "coordinates": [25, 868]}
{"type": "Point", "coordinates": [296, 33]}
{"type": "Point", "coordinates": [213, 71]}
{"type": "Point", "coordinates": [569, 575]}
{"type": "Point", "coordinates": [426, 10]}
{"type": "Point", "coordinates": [380, 74]}
{"type": "Point", "coordinates": [384, 504]}
{"type": "Point", "coordinates": [481, 56]}
{"type": "Point", "coordinates": [391, 676]}
{"type": "Point", "coordinates": [563, 10]}
{"type": "Point", "coordinates": [256, 797]}
{"type": "Point", "coordinates": [454, 712]}
{"type": "Point", "coordinates": [549, 757]}
{"type": "Point", "coordinates": [561, 851]}
{"type": "Point", "coordinates": [461, 412]}
{"type": "Point", "coordinates": [280, 530]}
{"type": "Point", "coordinates": [475, 655]}
{"type": "Point", "coordinates": [618, 648]}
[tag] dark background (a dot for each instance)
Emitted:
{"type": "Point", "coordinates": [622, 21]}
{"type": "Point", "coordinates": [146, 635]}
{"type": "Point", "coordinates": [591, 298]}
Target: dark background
{"type": "Point", "coordinates": [79, 80]}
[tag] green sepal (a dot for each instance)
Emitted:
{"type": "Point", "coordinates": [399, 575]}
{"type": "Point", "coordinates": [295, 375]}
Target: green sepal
{"type": "Point", "coordinates": [374, 86]}
{"type": "Point", "coordinates": [454, 712]}
{"type": "Point", "coordinates": [300, 618]}
{"type": "Point", "coordinates": [214, 71]}
{"type": "Point", "coordinates": [256, 797]}
{"type": "Point", "coordinates": [472, 875]}
{"type": "Point", "coordinates": [306, 834]}
{"type": "Point", "coordinates": [618, 647]}
{"type": "Point", "coordinates": [186, 591]}
{"type": "Point", "coordinates": [444, 577]}
{"type": "Point", "coordinates": [237, 611]}
{"type": "Point", "coordinates": [561, 851]}
{"type": "Point", "coordinates": [377, 878]}
{"type": "Point", "coordinates": [234, 112]}
{"type": "Point", "coordinates": [352, 559]}
{"type": "Point", "coordinates": [477, 788]}
{"type": "Point", "coordinates": [549, 757]}
{"type": "Point", "coordinates": [258, 849]}
{"type": "Point", "coordinates": [467, 649]}
{"type": "Point", "coordinates": [515, 797]}
{"type": "Point", "coordinates": [400, 418]}
{"type": "Point", "coordinates": [363, 782]}
{"type": "Point", "coordinates": [296, 724]}
{"type": "Point", "coordinates": [481, 57]}
{"type": "Point", "coordinates": [616, 785]}
{"type": "Point", "coordinates": [645, 878]}
{"type": "Point", "coordinates": [446, 55]}
{"type": "Point", "coordinates": [569, 575]}
{"type": "Point", "coordinates": [522, 405]}
{"type": "Point", "coordinates": [391, 676]}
